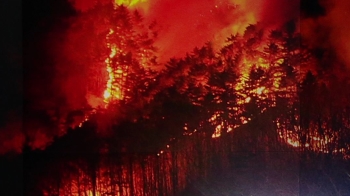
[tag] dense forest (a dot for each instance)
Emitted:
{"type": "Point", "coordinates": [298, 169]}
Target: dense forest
{"type": "Point", "coordinates": [135, 126]}
{"type": "Point", "coordinates": [163, 129]}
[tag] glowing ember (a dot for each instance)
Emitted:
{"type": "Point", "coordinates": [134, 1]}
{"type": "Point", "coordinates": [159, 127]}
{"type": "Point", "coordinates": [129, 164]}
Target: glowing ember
{"type": "Point", "coordinates": [292, 142]}
{"type": "Point", "coordinates": [107, 94]}
{"type": "Point", "coordinates": [217, 132]}
{"type": "Point", "coordinates": [260, 90]}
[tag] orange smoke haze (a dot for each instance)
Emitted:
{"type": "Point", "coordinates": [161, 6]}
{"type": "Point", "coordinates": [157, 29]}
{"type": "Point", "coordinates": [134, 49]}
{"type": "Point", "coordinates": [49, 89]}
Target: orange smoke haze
{"type": "Point", "coordinates": [185, 25]}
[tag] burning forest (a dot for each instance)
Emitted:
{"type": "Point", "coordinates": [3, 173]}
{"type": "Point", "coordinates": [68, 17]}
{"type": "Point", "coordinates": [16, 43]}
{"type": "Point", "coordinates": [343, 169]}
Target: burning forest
{"type": "Point", "coordinates": [142, 97]}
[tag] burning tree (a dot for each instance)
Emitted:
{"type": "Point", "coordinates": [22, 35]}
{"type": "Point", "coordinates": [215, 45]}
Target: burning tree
{"type": "Point", "coordinates": [113, 44]}
{"type": "Point", "coordinates": [131, 60]}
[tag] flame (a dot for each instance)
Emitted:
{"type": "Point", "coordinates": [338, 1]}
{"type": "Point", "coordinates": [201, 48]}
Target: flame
{"type": "Point", "coordinates": [113, 87]}
{"type": "Point", "coordinates": [129, 3]}
{"type": "Point", "coordinates": [90, 193]}
{"type": "Point", "coordinates": [293, 142]}
{"type": "Point", "coordinates": [315, 142]}
{"type": "Point", "coordinates": [260, 90]}
{"type": "Point", "coordinates": [107, 94]}
{"type": "Point", "coordinates": [217, 132]}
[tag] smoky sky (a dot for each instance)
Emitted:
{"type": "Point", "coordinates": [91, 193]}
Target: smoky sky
{"type": "Point", "coordinates": [324, 26]}
{"type": "Point", "coordinates": [184, 24]}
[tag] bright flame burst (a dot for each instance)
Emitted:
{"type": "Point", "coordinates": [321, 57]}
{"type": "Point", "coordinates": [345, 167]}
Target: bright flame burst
{"type": "Point", "coordinates": [129, 3]}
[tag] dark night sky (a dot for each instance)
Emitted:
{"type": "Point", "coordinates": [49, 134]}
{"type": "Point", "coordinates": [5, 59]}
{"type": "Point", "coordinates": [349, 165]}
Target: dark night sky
{"type": "Point", "coordinates": [41, 17]}
{"type": "Point", "coordinates": [11, 50]}
{"type": "Point", "coordinates": [24, 26]}
{"type": "Point", "coordinates": [25, 63]}
{"type": "Point", "coordinates": [311, 8]}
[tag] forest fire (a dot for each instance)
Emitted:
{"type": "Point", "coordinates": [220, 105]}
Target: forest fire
{"type": "Point", "coordinates": [163, 128]}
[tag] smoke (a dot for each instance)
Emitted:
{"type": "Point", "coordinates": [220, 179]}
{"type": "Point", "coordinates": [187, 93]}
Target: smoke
{"type": "Point", "coordinates": [188, 24]}
{"type": "Point", "coordinates": [270, 13]}
{"type": "Point", "coordinates": [340, 30]}
{"type": "Point", "coordinates": [330, 30]}
{"type": "Point", "coordinates": [85, 5]}
{"type": "Point", "coordinates": [11, 135]}
{"type": "Point", "coordinates": [185, 25]}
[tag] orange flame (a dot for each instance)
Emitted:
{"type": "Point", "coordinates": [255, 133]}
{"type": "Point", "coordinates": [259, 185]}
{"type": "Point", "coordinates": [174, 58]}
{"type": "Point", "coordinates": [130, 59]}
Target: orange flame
{"type": "Point", "coordinates": [113, 90]}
